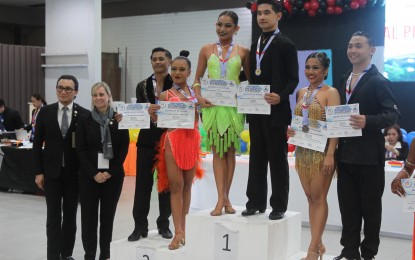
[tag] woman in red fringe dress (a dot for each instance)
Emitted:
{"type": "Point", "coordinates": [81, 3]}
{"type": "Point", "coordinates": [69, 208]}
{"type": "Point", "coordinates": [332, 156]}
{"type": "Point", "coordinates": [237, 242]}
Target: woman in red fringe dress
{"type": "Point", "coordinates": [178, 161]}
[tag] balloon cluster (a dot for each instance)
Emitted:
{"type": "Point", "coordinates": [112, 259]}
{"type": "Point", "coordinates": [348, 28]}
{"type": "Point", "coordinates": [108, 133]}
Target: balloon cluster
{"type": "Point", "coordinates": [318, 7]}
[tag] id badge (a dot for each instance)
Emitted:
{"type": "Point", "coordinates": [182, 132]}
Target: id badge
{"type": "Point", "coordinates": [103, 163]}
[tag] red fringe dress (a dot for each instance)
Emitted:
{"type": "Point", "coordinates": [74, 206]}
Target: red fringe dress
{"type": "Point", "coordinates": [185, 146]}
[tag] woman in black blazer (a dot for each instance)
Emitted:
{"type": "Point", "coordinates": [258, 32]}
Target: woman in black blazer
{"type": "Point", "coordinates": [101, 149]}
{"type": "Point", "coordinates": [38, 102]}
{"type": "Point", "coordinates": [395, 147]}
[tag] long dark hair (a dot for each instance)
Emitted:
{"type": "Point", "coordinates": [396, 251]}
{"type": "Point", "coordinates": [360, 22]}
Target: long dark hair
{"type": "Point", "coordinates": [37, 96]}
{"type": "Point", "coordinates": [397, 128]}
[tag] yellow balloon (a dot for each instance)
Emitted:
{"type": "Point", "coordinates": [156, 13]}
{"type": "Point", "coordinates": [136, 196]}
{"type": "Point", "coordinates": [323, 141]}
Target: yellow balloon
{"type": "Point", "coordinates": [133, 135]}
{"type": "Point", "coordinates": [245, 136]}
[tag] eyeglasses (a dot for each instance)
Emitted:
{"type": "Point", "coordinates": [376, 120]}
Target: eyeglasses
{"type": "Point", "coordinates": [67, 90]}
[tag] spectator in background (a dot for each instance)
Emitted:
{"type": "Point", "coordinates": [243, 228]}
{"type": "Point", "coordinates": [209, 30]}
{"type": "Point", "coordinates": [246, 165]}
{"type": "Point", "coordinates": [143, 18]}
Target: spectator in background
{"type": "Point", "coordinates": [102, 149]}
{"type": "Point", "coordinates": [396, 148]}
{"type": "Point", "coordinates": [38, 102]}
{"type": "Point", "coordinates": [10, 119]}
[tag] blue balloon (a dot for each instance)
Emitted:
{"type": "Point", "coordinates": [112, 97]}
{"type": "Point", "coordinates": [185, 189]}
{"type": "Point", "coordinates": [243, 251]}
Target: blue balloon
{"type": "Point", "coordinates": [405, 137]}
{"type": "Point", "coordinates": [244, 146]}
{"type": "Point", "coordinates": [410, 136]}
{"type": "Point", "coordinates": [403, 131]}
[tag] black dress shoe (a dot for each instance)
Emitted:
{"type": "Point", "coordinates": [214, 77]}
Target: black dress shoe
{"type": "Point", "coordinates": [137, 234]}
{"type": "Point", "coordinates": [68, 258]}
{"type": "Point", "coordinates": [165, 233]}
{"type": "Point", "coordinates": [274, 215]}
{"type": "Point", "coordinates": [250, 212]}
{"type": "Point", "coordinates": [341, 257]}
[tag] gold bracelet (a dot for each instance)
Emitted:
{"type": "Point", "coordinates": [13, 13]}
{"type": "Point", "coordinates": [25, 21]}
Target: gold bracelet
{"type": "Point", "coordinates": [410, 164]}
{"type": "Point", "coordinates": [405, 171]}
{"type": "Point", "coordinates": [196, 85]}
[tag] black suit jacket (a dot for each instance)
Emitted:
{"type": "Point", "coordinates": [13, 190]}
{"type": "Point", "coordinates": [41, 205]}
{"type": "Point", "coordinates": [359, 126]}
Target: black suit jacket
{"type": "Point", "coordinates": [48, 161]}
{"type": "Point", "coordinates": [12, 119]}
{"type": "Point", "coordinates": [279, 68]}
{"type": "Point", "coordinates": [88, 144]}
{"type": "Point", "coordinates": [145, 94]}
{"type": "Point", "coordinates": [377, 103]}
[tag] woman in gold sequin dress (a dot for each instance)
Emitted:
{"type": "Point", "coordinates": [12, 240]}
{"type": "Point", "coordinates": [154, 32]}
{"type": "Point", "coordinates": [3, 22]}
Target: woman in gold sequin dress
{"type": "Point", "coordinates": [315, 168]}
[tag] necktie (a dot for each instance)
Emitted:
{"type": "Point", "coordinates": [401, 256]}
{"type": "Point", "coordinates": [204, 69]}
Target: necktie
{"type": "Point", "coordinates": [65, 124]}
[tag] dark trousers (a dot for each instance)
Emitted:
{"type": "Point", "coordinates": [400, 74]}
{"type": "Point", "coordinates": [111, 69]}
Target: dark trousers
{"type": "Point", "coordinates": [62, 204]}
{"type": "Point", "coordinates": [143, 187]}
{"type": "Point", "coordinates": [268, 146]}
{"type": "Point", "coordinates": [360, 189]}
{"type": "Point", "coordinates": [104, 196]}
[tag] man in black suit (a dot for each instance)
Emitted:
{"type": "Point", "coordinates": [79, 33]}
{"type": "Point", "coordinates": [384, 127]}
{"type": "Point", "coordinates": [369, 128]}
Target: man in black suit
{"type": "Point", "coordinates": [148, 90]}
{"type": "Point", "coordinates": [56, 167]}
{"type": "Point", "coordinates": [273, 62]}
{"type": "Point", "coordinates": [361, 160]}
{"type": "Point", "coordinates": [10, 119]}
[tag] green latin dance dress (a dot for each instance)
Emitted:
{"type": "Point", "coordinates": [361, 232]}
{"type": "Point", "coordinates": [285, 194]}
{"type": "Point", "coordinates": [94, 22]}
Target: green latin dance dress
{"type": "Point", "coordinates": [223, 124]}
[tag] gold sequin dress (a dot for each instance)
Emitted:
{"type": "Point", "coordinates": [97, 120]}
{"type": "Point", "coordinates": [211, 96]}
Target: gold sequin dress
{"type": "Point", "coordinates": [309, 162]}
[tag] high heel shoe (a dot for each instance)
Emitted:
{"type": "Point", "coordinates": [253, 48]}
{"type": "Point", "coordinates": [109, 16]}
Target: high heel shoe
{"type": "Point", "coordinates": [183, 241]}
{"type": "Point", "coordinates": [217, 211]}
{"type": "Point", "coordinates": [321, 250]}
{"type": "Point", "coordinates": [313, 253]}
{"type": "Point", "coordinates": [177, 240]}
{"type": "Point", "coordinates": [228, 208]}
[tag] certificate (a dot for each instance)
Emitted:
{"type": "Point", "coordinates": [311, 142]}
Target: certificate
{"type": "Point", "coordinates": [134, 115]}
{"type": "Point", "coordinates": [338, 124]}
{"type": "Point", "coordinates": [176, 115]}
{"type": "Point", "coordinates": [314, 139]}
{"type": "Point", "coordinates": [220, 92]}
{"type": "Point", "coordinates": [251, 99]}
{"type": "Point", "coordinates": [409, 200]}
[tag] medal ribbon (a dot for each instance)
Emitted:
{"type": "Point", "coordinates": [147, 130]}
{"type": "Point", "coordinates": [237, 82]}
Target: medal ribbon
{"type": "Point", "coordinates": [349, 88]}
{"type": "Point", "coordinates": [223, 62]}
{"type": "Point", "coordinates": [307, 102]}
{"type": "Point", "coordinates": [191, 98]}
{"type": "Point", "coordinates": [156, 95]}
{"type": "Point", "coordinates": [260, 55]}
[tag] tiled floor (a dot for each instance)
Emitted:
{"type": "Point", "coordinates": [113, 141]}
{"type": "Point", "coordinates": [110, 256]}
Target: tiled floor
{"type": "Point", "coordinates": [23, 232]}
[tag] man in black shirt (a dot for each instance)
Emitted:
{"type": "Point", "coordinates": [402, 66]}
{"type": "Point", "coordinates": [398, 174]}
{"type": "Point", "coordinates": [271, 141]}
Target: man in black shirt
{"type": "Point", "coordinates": [273, 62]}
{"type": "Point", "coordinates": [10, 119]}
{"type": "Point", "coordinates": [148, 91]}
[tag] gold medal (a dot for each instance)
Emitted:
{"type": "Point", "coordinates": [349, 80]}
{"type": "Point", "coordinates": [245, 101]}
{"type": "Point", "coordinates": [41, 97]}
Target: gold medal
{"type": "Point", "coordinates": [305, 128]}
{"type": "Point", "coordinates": [258, 71]}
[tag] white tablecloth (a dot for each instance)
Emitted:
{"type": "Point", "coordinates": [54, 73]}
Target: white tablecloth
{"type": "Point", "coordinates": [395, 222]}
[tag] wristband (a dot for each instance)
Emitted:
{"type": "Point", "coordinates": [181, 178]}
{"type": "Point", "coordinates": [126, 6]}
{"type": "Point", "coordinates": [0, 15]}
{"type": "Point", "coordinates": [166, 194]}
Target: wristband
{"type": "Point", "coordinates": [196, 85]}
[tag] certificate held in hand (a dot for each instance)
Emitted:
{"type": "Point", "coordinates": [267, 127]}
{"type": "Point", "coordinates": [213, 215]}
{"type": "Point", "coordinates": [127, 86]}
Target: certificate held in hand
{"type": "Point", "coordinates": [251, 99]}
{"type": "Point", "coordinates": [176, 115]}
{"type": "Point", "coordinates": [219, 92]}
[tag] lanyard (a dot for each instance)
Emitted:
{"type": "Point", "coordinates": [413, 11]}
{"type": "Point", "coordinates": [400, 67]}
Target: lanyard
{"type": "Point", "coordinates": [349, 87]}
{"type": "Point", "coordinates": [223, 62]}
{"type": "Point", "coordinates": [260, 55]}
{"type": "Point", "coordinates": [306, 104]}
{"type": "Point", "coordinates": [191, 98]}
{"type": "Point", "coordinates": [156, 95]}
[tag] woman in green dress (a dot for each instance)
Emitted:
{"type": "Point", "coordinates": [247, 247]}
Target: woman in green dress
{"type": "Point", "coordinates": [223, 60]}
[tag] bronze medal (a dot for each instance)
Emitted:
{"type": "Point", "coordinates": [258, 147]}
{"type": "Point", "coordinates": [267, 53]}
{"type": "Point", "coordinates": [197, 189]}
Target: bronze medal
{"type": "Point", "coordinates": [305, 128]}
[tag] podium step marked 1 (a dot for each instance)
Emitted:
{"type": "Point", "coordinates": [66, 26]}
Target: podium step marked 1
{"type": "Point", "coordinates": [226, 237]}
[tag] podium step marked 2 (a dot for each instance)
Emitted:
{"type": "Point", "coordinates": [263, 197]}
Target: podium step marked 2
{"type": "Point", "coordinates": [153, 247]}
{"type": "Point", "coordinates": [226, 237]}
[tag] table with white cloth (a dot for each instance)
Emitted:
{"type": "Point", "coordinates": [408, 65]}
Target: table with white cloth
{"type": "Point", "coordinates": [395, 222]}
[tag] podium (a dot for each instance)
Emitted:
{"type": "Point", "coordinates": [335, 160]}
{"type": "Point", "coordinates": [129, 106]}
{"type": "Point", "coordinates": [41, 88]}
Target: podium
{"type": "Point", "coordinates": [226, 237]}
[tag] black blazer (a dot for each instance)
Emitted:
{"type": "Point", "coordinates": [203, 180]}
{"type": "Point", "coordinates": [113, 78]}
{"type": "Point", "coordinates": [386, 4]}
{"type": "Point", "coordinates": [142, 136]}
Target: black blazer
{"type": "Point", "coordinates": [88, 144]}
{"type": "Point", "coordinates": [377, 103]}
{"type": "Point", "coordinates": [48, 161]}
{"type": "Point", "coordinates": [279, 68]}
{"type": "Point", "coordinates": [145, 94]}
{"type": "Point", "coordinates": [12, 119]}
